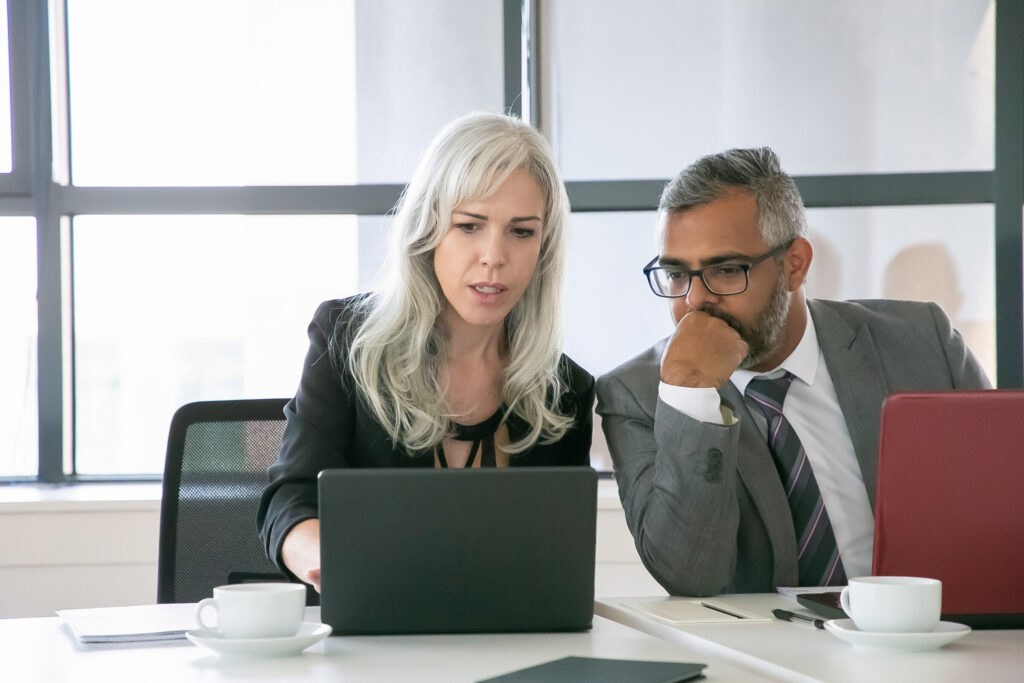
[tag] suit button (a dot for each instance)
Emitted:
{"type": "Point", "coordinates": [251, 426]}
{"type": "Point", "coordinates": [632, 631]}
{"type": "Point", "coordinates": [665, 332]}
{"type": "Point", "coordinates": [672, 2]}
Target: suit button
{"type": "Point", "coordinates": [713, 467]}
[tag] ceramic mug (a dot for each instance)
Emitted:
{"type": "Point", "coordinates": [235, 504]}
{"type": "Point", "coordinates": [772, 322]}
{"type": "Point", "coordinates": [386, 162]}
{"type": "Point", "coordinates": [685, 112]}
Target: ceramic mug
{"type": "Point", "coordinates": [255, 610]}
{"type": "Point", "coordinates": [893, 604]}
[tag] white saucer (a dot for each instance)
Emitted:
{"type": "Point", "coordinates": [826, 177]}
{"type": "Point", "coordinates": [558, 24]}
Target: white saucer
{"type": "Point", "coordinates": [945, 632]}
{"type": "Point", "coordinates": [260, 647]}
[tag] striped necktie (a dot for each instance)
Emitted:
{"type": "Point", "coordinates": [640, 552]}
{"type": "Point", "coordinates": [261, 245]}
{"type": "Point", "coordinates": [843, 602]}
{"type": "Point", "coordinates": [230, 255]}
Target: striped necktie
{"type": "Point", "coordinates": [817, 553]}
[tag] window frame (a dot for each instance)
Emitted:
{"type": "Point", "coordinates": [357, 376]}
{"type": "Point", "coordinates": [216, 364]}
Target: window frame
{"type": "Point", "coordinates": [38, 186]}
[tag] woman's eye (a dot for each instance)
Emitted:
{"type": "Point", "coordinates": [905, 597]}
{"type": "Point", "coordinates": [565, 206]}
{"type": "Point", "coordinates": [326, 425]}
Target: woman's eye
{"type": "Point", "coordinates": [466, 227]}
{"type": "Point", "coordinates": [524, 232]}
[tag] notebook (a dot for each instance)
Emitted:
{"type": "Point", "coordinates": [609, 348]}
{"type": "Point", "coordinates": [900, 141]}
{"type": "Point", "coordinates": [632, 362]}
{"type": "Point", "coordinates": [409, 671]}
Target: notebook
{"type": "Point", "coordinates": [457, 551]}
{"type": "Point", "coordinates": [949, 500]}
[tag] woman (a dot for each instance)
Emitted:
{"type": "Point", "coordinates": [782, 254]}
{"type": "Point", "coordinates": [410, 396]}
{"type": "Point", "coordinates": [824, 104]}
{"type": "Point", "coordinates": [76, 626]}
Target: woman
{"type": "Point", "coordinates": [455, 361]}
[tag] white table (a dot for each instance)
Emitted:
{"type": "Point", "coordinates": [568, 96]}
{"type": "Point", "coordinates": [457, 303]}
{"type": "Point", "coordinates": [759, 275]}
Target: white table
{"type": "Point", "coordinates": [41, 649]}
{"type": "Point", "coordinates": [800, 652]}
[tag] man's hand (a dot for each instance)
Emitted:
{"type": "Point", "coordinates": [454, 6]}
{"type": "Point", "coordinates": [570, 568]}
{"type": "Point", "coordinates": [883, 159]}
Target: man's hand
{"type": "Point", "coordinates": [703, 352]}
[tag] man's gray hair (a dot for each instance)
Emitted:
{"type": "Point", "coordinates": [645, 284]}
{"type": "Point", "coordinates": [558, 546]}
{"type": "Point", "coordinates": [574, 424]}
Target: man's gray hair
{"type": "Point", "coordinates": [780, 209]}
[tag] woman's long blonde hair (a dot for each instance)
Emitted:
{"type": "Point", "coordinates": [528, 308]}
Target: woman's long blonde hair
{"type": "Point", "coordinates": [398, 343]}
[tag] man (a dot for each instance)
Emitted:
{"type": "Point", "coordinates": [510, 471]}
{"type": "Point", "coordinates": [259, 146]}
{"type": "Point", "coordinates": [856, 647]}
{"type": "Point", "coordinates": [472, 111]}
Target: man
{"type": "Point", "coordinates": [759, 386]}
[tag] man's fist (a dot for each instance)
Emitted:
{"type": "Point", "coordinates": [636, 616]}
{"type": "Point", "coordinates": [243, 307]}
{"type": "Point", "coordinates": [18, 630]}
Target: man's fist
{"type": "Point", "coordinates": [704, 352]}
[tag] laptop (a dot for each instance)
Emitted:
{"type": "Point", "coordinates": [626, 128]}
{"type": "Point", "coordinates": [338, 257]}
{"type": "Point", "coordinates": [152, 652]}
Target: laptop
{"type": "Point", "coordinates": [421, 550]}
{"type": "Point", "coordinates": [950, 500]}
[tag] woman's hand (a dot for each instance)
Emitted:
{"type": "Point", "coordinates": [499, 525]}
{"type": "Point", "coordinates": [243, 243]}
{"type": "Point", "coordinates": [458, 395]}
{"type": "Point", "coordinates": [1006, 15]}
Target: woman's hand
{"type": "Point", "coordinates": [301, 551]}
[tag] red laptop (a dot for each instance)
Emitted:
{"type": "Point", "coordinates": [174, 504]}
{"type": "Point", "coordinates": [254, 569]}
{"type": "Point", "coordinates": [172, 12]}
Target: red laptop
{"type": "Point", "coordinates": [950, 500]}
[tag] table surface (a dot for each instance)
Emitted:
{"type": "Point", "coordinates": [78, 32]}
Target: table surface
{"type": "Point", "coordinates": [42, 649]}
{"type": "Point", "coordinates": [800, 652]}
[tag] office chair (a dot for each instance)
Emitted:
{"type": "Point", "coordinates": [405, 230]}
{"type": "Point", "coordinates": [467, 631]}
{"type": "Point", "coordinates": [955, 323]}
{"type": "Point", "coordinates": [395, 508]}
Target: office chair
{"type": "Point", "coordinates": [218, 453]}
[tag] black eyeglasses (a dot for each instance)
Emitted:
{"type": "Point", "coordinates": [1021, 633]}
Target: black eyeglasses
{"type": "Point", "coordinates": [723, 279]}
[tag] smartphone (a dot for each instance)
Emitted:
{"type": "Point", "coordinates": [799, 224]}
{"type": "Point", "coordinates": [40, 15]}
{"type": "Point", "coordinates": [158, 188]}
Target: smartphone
{"type": "Point", "coordinates": [826, 604]}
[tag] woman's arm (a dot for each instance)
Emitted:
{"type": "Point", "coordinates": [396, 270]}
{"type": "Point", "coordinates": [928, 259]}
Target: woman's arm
{"type": "Point", "coordinates": [317, 436]}
{"type": "Point", "coordinates": [301, 551]}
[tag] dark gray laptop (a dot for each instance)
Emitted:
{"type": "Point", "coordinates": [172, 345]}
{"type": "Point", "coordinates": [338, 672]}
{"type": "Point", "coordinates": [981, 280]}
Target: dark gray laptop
{"type": "Point", "coordinates": [457, 551]}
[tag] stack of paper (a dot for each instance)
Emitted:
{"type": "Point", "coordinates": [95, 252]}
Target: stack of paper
{"type": "Point", "coordinates": [130, 624]}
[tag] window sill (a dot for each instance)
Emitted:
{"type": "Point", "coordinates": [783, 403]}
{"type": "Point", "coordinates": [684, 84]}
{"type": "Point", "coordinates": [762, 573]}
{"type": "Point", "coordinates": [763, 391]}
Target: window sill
{"type": "Point", "coordinates": [16, 498]}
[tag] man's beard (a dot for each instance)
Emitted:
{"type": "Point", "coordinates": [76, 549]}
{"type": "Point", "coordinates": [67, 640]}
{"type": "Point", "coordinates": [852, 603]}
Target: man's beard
{"type": "Point", "coordinates": [762, 336]}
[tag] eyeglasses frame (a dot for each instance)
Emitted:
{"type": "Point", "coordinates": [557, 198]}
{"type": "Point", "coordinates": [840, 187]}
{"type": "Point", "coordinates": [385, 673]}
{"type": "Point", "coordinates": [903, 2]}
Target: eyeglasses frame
{"type": "Point", "coordinates": [699, 272]}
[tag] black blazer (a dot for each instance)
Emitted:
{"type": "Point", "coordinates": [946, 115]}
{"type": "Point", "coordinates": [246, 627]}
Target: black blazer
{"type": "Point", "coordinates": [329, 426]}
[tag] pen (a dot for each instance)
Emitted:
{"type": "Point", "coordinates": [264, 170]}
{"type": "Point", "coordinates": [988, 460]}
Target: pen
{"type": "Point", "coordinates": [721, 609]}
{"type": "Point", "coordinates": [786, 615]}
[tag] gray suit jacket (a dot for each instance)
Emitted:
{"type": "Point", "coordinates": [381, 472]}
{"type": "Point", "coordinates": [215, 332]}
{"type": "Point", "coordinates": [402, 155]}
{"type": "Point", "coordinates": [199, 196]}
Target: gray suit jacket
{"type": "Point", "coordinates": [703, 501]}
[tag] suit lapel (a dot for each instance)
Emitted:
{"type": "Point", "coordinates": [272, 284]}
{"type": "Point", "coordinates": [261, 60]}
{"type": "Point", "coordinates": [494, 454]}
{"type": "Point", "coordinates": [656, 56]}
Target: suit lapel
{"type": "Point", "coordinates": [852, 359]}
{"type": "Point", "coordinates": [759, 476]}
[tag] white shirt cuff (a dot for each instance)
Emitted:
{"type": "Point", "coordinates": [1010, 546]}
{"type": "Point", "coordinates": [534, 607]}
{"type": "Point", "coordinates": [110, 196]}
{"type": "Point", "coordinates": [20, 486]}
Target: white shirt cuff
{"type": "Point", "coordinates": [700, 403]}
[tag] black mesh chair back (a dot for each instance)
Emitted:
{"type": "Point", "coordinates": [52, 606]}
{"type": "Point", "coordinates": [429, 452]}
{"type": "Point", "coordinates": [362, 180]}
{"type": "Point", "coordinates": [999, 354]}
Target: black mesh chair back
{"type": "Point", "coordinates": [218, 453]}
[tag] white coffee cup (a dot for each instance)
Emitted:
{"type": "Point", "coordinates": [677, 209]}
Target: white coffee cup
{"type": "Point", "coordinates": [255, 610]}
{"type": "Point", "coordinates": [893, 604]}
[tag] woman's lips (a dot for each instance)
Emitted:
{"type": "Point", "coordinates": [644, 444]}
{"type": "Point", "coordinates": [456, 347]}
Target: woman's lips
{"type": "Point", "coordinates": [487, 292]}
{"type": "Point", "coordinates": [488, 288]}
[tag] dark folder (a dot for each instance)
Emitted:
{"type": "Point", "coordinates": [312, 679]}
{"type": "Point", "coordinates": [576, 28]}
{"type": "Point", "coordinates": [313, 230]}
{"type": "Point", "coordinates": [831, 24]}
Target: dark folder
{"type": "Point", "coordinates": [592, 670]}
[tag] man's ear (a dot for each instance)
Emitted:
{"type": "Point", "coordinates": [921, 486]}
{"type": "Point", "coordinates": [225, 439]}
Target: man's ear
{"type": "Point", "coordinates": [797, 260]}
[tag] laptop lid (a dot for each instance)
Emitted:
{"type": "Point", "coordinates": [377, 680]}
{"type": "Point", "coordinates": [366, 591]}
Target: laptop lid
{"type": "Point", "coordinates": [948, 504]}
{"type": "Point", "coordinates": [457, 551]}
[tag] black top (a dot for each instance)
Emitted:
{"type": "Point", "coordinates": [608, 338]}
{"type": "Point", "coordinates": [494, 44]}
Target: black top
{"type": "Point", "coordinates": [481, 434]}
{"type": "Point", "coordinates": [480, 430]}
{"type": "Point", "coordinates": [329, 426]}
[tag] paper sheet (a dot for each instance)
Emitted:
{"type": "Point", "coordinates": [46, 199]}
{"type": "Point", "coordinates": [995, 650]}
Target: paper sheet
{"type": "Point", "coordinates": [694, 610]}
{"type": "Point", "coordinates": [130, 624]}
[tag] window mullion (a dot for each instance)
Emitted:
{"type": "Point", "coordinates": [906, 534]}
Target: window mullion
{"type": "Point", "coordinates": [50, 258]}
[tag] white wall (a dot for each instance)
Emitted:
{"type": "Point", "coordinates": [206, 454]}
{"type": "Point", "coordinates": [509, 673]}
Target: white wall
{"type": "Point", "coordinates": [59, 552]}
{"type": "Point", "coordinates": [64, 548]}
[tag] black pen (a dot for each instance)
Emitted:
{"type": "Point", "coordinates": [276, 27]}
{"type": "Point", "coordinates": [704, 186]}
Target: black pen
{"type": "Point", "coordinates": [721, 609]}
{"type": "Point", "coordinates": [786, 615]}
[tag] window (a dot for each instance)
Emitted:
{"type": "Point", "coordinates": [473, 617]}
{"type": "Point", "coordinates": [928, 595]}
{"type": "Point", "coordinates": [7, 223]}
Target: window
{"type": "Point", "coordinates": [264, 93]}
{"type": "Point", "coordinates": [6, 151]}
{"type": "Point", "coordinates": [317, 92]}
{"type": "Point", "coordinates": [610, 313]}
{"type": "Point", "coordinates": [175, 308]}
{"type": "Point", "coordinates": [221, 166]}
{"type": "Point", "coordinates": [944, 254]}
{"type": "Point", "coordinates": [921, 253]}
{"type": "Point", "coordinates": [18, 427]}
{"type": "Point", "coordinates": [855, 87]}
{"type": "Point", "coordinates": [192, 308]}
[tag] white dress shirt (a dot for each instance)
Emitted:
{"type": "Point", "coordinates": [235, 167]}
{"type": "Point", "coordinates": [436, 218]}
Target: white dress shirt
{"type": "Point", "coordinates": [812, 409]}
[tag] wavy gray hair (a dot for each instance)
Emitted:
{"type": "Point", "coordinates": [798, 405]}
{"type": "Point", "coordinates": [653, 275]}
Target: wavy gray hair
{"type": "Point", "coordinates": [396, 351]}
{"type": "Point", "coordinates": [780, 209]}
